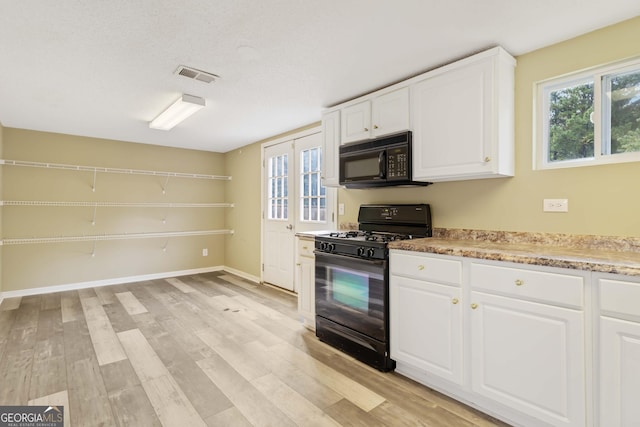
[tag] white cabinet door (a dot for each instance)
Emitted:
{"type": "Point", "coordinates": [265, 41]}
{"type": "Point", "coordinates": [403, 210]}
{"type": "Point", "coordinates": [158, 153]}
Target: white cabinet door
{"type": "Point", "coordinates": [330, 148]}
{"type": "Point", "coordinates": [530, 357]}
{"type": "Point", "coordinates": [356, 122]}
{"type": "Point", "coordinates": [619, 372]}
{"type": "Point", "coordinates": [426, 327]}
{"type": "Point", "coordinates": [619, 351]}
{"type": "Point", "coordinates": [462, 118]}
{"type": "Point", "coordinates": [390, 112]}
{"type": "Point", "coordinates": [305, 281]}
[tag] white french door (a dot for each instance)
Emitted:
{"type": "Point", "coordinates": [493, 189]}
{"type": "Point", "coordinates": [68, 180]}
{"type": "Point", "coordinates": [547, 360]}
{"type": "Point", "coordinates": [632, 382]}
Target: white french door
{"type": "Point", "coordinates": [294, 200]}
{"type": "Point", "coordinates": [315, 203]}
{"type": "Point", "coordinates": [278, 242]}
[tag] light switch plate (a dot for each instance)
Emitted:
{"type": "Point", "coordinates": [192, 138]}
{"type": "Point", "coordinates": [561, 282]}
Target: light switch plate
{"type": "Point", "coordinates": [555, 205]}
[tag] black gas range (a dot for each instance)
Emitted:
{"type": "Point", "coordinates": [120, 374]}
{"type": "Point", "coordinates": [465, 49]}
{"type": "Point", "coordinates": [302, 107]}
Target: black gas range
{"type": "Point", "coordinates": [352, 280]}
{"type": "Point", "coordinates": [363, 244]}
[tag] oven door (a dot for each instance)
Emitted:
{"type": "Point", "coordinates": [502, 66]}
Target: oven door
{"type": "Point", "coordinates": [352, 292]}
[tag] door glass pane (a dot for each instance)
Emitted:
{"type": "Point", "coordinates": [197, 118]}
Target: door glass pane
{"type": "Point", "coordinates": [314, 184]}
{"type": "Point", "coordinates": [305, 209]}
{"type": "Point", "coordinates": [312, 193]}
{"type": "Point", "coordinates": [277, 188]}
{"type": "Point", "coordinates": [305, 161]}
{"type": "Point", "coordinates": [314, 160]}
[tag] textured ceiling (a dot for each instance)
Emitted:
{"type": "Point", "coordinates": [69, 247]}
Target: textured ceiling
{"type": "Point", "coordinates": [106, 68]}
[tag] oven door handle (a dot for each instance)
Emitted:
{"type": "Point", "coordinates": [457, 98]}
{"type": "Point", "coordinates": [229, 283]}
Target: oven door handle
{"type": "Point", "coordinates": [350, 258]}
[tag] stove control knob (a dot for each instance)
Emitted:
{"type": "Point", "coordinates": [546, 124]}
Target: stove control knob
{"type": "Point", "coordinates": [361, 251]}
{"type": "Point", "coordinates": [371, 252]}
{"type": "Point", "coordinates": [331, 247]}
{"type": "Point", "coordinates": [323, 246]}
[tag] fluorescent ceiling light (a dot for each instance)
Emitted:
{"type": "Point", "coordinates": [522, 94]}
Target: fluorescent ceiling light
{"type": "Point", "coordinates": [184, 107]}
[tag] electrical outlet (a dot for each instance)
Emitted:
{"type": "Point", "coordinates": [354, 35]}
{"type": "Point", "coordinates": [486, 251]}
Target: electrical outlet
{"type": "Point", "coordinates": [340, 208]}
{"type": "Point", "coordinates": [205, 252]}
{"type": "Point", "coordinates": [555, 205]}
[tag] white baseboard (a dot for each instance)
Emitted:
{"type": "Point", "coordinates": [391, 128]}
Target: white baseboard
{"type": "Point", "coordinates": [105, 282]}
{"type": "Point", "coordinates": [242, 274]}
{"type": "Point", "coordinates": [121, 280]}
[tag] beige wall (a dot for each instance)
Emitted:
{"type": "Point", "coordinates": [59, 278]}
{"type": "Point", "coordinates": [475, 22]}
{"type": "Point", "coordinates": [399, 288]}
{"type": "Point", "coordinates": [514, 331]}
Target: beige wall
{"type": "Point", "coordinates": [243, 247]}
{"type": "Point", "coordinates": [602, 199]}
{"type": "Point", "coordinates": [40, 265]}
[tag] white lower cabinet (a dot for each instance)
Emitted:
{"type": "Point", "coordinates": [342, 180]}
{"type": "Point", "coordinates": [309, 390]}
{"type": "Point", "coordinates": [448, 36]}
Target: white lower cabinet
{"type": "Point", "coordinates": [508, 339]}
{"type": "Point", "coordinates": [530, 357]}
{"type": "Point", "coordinates": [305, 281]}
{"type": "Point", "coordinates": [425, 315]}
{"type": "Point", "coordinates": [619, 353]}
{"type": "Point", "coordinates": [426, 327]}
{"type": "Point", "coordinates": [528, 339]}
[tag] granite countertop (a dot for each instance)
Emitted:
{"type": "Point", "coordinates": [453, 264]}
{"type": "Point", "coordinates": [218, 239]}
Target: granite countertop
{"type": "Point", "coordinates": [618, 255]}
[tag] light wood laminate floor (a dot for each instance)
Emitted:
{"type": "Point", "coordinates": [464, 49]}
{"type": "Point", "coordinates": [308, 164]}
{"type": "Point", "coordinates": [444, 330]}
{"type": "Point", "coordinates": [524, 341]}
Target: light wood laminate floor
{"type": "Point", "coordinates": [209, 349]}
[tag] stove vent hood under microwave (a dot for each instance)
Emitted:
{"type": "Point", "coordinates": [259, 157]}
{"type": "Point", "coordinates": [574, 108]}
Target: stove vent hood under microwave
{"type": "Point", "coordinates": [380, 162]}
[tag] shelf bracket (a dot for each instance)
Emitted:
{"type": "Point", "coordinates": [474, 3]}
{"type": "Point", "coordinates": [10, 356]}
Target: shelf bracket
{"type": "Point", "coordinates": [95, 174]}
{"type": "Point", "coordinates": [166, 243]}
{"type": "Point", "coordinates": [93, 251]}
{"type": "Point", "coordinates": [95, 211]}
{"type": "Point", "coordinates": [166, 215]}
{"type": "Point", "coordinates": [164, 187]}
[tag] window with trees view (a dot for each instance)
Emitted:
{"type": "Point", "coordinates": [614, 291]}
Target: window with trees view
{"type": "Point", "coordinates": [590, 118]}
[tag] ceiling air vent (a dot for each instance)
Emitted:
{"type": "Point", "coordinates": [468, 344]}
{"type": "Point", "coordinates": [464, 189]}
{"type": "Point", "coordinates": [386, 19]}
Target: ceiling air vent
{"type": "Point", "coordinates": [195, 74]}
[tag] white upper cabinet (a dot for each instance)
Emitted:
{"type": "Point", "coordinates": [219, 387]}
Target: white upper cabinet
{"type": "Point", "coordinates": [330, 143]}
{"type": "Point", "coordinates": [356, 122]}
{"type": "Point", "coordinates": [390, 112]}
{"type": "Point", "coordinates": [381, 115]}
{"type": "Point", "coordinates": [462, 118]}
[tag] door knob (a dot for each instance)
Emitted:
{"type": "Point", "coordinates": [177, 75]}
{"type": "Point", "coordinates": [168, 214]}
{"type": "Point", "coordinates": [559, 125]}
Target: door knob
{"type": "Point", "coordinates": [289, 227]}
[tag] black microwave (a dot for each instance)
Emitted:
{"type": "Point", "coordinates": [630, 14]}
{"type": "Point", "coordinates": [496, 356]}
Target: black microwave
{"type": "Point", "coordinates": [381, 162]}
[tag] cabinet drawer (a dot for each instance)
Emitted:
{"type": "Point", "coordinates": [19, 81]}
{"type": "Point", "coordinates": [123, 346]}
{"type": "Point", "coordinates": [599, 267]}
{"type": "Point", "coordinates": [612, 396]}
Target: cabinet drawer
{"type": "Point", "coordinates": [618, 297]}
{"type": "Point", "coordinates": [426, 268]}
{"type": "Point", "coordinates": [552, 288]}
{"type": "Point", "coordinates": [305, 247]}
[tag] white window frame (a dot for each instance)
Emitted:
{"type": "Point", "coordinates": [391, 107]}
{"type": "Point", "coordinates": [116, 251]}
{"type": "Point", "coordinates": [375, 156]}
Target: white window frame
{"type": "Point", "coordinates": [541, 116]}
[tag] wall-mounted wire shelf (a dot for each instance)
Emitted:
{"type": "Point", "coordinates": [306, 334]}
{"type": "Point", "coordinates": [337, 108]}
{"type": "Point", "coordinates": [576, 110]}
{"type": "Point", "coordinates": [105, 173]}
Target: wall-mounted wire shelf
{"type": "Point", "coordinates": [113, 204]}
{"type": "Point", "coordinates": [95, 169]}
{"type": "Point", "coordinates": [103, 237]}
